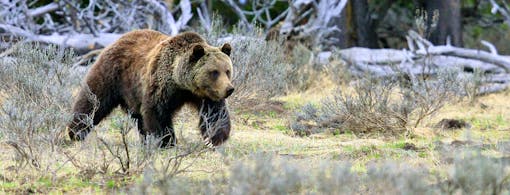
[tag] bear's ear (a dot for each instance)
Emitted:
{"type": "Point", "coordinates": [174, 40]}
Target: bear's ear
{"type": "Point", "coordinates": [198, 52]}
{"type": "Point", "coordinates": [226, 48]}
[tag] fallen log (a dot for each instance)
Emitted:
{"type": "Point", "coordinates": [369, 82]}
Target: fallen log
{"type": "Point", "coordinates": [81, 43]}
{"type": "Point", "coordinates": [483, 56]}
{"type": "Point", "coordinates": [423, 58]}
{"type": "Point", "coordinates": [375, 56]}
{"type": "Point", "coordinates": [492, 88]}
{"type": "Point", "coordinates": [426, 48]}
{"type": "Point", "coordinates": [498, 78]}
{"type": "Point", "coordinates": [468, 65]}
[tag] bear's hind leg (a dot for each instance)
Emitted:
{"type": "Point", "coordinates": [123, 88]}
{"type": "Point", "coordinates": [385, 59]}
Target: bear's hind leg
{"type": "Point", "coordinates": [160, 127]}
{"type": "Point", "coordinates": [167, 136]}
{"type": "Point", "coordinates": [88, 112]}
{"type": "Point", "coordinates": [139, 125]}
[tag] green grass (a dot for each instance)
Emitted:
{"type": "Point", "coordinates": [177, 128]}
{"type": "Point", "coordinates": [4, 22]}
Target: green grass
{"type": "Point", "coordinates": [400, 144]}
{"type": "Point", "coordinates": [282, 128]}
{"type": "Point", "coordinates": [6, 186]}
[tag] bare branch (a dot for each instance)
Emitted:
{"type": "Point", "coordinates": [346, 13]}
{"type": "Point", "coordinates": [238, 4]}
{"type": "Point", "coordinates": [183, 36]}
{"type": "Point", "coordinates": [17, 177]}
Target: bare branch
{"type": "Point", "coordinates": [428, 59]}
{"type": "Point", "coordinates": [491, 47]}
{"type": "Point", "coordinates": [427, 48]}
{"type": "Point", "coordinates": [16, 31]}
{"type": "Point", "coordinates": [205, 18]}
{"type": "Point", "coordinates": [43, 10]}
{"type": "Point", "coordinates": [101, 19]}
{"type": "Point", "coordinates": [503, 10]}
{"type": "Point", "coordinates": [320, 15]}
{"type": "Point", "coordinates": [239, 12]}
{"type": "Point", "coordinates": [186, 15]}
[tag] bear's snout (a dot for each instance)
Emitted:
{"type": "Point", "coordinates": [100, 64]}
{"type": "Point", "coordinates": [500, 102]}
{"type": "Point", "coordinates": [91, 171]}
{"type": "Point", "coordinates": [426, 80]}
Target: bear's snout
{"type": "Point", "coordinates": [230, 90]}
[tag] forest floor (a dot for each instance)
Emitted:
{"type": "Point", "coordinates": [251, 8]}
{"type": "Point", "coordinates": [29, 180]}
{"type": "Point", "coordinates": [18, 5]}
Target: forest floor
{"type": "Point", "coordinates": [264, 129]}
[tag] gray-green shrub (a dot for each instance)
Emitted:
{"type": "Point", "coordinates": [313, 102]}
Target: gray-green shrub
{"type": "Point", "coordinates": [380, 106]}
{"type": "Point", "coordinates": [36, 86]}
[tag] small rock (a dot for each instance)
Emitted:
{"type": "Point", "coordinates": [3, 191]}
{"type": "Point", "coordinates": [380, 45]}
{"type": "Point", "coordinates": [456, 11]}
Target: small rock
{"type": "Point", "coordinates": [452, 124]}
{"type": "Point", "coordinates": [410, 146]}
{"type": "Point", "coordinates": [483, 106]}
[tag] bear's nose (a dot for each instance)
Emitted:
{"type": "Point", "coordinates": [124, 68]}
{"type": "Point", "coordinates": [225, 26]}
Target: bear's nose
{"type": "Point", "coordinates": [230, 90]}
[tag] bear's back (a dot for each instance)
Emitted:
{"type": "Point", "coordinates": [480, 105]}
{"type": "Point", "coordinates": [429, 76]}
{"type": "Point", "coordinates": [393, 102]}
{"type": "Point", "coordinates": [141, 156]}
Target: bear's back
{"type": "Point", "coordinates": [129, 52]}
{"type": "Point", "coordinates": [135, 46]}
{"type": "Point", "coordinates": [161, 57]}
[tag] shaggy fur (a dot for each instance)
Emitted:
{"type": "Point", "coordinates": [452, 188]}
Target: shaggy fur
{"type": "Point", "coordinates": [151, 76]}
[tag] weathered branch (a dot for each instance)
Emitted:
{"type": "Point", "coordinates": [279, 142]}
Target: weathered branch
{"type": "Point", "coordinates": [43, 10]}
{"type": "Point", "coordinates": [466, 64]}
{"type": "Point", "coordinates": [484, 56]}
{"type": "Point", "coordinates": [185, 16]}
{"type": "Point", "coordinates": [205, 18]}
{"type": "Point", "coordinates": [427, 48]}
{"type": "Point", "coordinates": [490, 46]}
{"type": "Point", "coordinates": [428, 58]}
{"type": "Point", "coordinates": [319, 14]}
{"type": "Point", "coordinates": [239, 13]}
{"type": "Point", "coordinates": [492, 88]}
{"type": "Point", "coordinates": [375, 56]}
{"type": "Point", "coordinates": [503, 10]}
{"type": "Point", "coordinates": [96, 25]}
{"type": "Point", "coordinates": [16, 31]}
{"type": "Point", "coordinates": [80, 42]}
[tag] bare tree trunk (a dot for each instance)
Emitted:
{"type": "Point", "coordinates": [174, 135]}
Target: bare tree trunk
{"type": "Point", "coordinates": [365, 29]}
{"type": "Point", "coordinates": [345, 24]}
{"type": "Point", "coordinates": [367, 18]}
{"type": "Point", "coordinates": [450, 21]}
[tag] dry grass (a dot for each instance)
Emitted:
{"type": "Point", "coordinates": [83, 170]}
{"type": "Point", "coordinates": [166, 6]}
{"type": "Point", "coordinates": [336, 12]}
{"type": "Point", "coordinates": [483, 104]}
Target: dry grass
{"type": "Point", "coordinates": [304, 152]}
{"type": "Point", "coordinates": [492, 107]}
{"type": "Point", "coordinates": [263, 157]}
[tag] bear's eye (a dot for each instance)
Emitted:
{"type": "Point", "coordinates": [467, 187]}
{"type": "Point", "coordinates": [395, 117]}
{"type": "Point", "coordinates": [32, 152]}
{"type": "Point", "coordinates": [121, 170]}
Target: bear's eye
{"type": "Point", "coordinates": [214, 74]}
{"type": "Point", "coordinates": [228, 73]}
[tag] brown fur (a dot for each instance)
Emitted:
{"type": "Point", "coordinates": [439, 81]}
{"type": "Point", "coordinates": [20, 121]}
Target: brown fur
{"type": "Point", "coordinates": [151, 76]}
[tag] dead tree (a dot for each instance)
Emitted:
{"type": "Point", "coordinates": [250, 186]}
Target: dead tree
{"type": "Point", "coordinates": [260, 12]}
{"type": "Point", "coordinates": [424, 58]}
{"type": "Point", "coordinates": [304, 19]}
{"type": "Point", "coordinates": [449, 23]}
{"type": "Point", "coordinates": [318, 25]}
{"type": "Point", "coordinates": [85, 27]}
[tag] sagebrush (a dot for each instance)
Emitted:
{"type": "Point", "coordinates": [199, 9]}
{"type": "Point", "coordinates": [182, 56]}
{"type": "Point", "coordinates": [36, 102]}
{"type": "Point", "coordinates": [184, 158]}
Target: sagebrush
{"type": "Point", "coordinates": [380, 106]}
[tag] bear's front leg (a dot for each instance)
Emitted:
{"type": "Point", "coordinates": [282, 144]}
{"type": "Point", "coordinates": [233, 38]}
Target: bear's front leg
{"type": "Point", "coordinates": [159, 126]}
{"type": "Point", "coordinates": [214, 121]}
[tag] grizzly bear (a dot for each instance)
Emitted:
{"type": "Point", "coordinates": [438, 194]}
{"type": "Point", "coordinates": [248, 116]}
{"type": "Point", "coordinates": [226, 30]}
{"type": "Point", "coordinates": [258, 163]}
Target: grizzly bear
{"type": "Point", "coordinates": [151, 75]}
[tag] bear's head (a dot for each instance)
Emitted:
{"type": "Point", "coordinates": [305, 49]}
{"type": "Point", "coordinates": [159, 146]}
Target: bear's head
{"type": "Point", "coordinates": [213, 71]}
